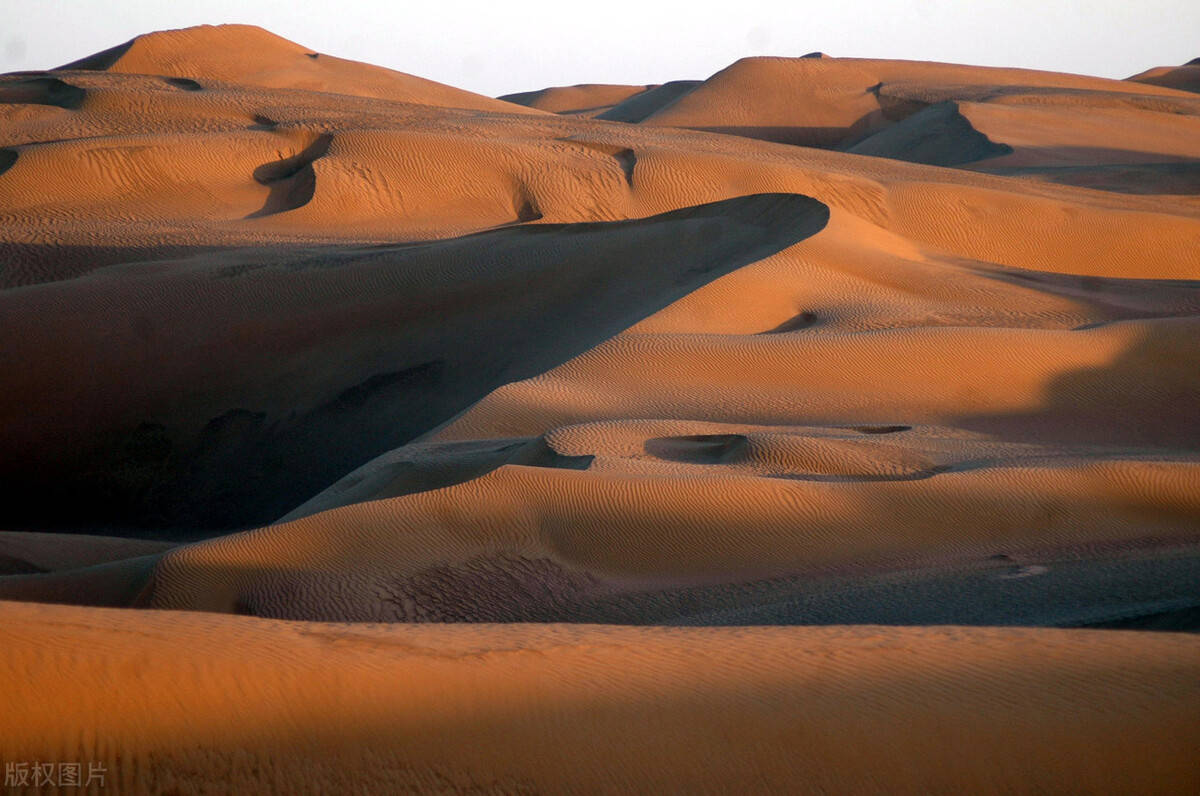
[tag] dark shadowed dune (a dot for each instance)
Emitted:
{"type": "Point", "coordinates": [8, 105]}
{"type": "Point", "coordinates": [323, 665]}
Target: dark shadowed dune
{"type": "Point", "coordinates": [938, 135]}
{"type": "Point", "coordinates": [293, 415]}
{"type": "Point", "coordinates": [40, 91]}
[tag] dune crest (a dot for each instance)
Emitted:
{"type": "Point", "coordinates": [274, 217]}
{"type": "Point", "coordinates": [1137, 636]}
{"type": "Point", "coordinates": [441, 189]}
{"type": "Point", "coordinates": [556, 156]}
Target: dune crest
{"type": "Point", "coordinates": [249, 55]}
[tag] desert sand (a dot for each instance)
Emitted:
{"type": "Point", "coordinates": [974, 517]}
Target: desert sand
{"type": "Point", "coordinates": [825, 425]}
{"type": "Point", "coordinates": [202, 701]}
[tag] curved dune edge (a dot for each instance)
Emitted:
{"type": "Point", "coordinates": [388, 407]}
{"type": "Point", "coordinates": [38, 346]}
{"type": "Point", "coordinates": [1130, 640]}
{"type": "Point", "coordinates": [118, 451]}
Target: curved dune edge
{"type": "Point", "coordinates": [327, 356]}
{"type": "Point", "coordinates": [183, 701]}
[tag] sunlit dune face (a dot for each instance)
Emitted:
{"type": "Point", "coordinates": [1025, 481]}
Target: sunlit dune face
{"type": "Point", "coordinates": [558, 707]}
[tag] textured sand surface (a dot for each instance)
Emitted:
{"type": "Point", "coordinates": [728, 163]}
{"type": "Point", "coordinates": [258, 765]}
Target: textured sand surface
{"type": "Point", "coordinates": [184, 702]}
{"type": "Point", "coordinates": [854, 345]}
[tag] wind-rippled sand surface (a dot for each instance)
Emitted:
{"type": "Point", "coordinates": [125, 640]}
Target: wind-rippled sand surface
{"type": "Point", "coordinates": [802, 369]}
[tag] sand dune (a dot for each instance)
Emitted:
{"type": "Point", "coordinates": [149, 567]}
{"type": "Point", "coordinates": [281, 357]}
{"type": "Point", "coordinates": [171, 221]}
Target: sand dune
{"type": "Point", "coordinates": [1064, 128]}
{"type": "Point", "coordinates": [1184, 78]}
{"type": "Point", "coordinates": [248, 55]}
{"type": "Point", "coordinates": [639, 106]}
{"type": "Point", "coordinates": [314, 708]}
{"type": "Point", "coordinates": [813, 342]}
{"type": "Point", "coordinates": [586, 100]}
{"type": "Point", "coordinates": [825, 101]}
{"type": "Point", "coordinates": [333, 388]}
{"type": "Point", "coordinates": [539, 542]}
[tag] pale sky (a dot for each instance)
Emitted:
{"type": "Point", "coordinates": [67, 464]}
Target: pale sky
{"type": "Point", "coordinates": [501, 47]}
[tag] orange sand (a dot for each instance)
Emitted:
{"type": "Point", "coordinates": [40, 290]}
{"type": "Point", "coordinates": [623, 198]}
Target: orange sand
{"type": "Point", "coordinates": [597, 354]}
{"type": "Point", "coordinates": [190, 702]}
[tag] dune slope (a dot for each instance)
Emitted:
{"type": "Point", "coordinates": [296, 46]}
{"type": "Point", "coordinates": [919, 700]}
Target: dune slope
{"type": "Point", "coordinates": [312, 708]}
{"type": "Point", "coordinates": [371, 346]}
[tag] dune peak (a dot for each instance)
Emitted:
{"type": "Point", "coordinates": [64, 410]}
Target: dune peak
{"type": "Point", "coordinates": [251, 55]}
